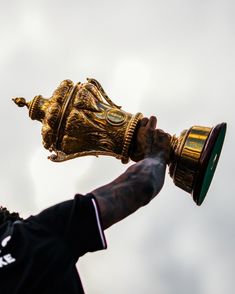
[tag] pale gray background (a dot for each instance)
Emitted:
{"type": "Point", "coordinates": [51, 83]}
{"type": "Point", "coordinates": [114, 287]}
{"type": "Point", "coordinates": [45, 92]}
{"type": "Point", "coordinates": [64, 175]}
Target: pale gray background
{"type": "Point", "coordinates": [174, 59]}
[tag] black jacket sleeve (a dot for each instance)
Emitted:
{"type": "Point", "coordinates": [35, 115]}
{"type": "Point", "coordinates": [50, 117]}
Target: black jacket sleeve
{"type": "Point", "coordinates": [75, 222]}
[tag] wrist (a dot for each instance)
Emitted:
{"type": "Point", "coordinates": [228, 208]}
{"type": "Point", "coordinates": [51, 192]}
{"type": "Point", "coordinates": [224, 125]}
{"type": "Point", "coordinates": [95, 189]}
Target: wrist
{"type": "Point", "coordinates": [160, 156]}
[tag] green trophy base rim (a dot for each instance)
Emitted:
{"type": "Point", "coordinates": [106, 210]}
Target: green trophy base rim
{"type": "Point", "coordinates": [208, 162]}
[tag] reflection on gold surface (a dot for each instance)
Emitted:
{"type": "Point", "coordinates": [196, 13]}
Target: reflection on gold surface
{"type": "Point", "coordinates": [79, 120]}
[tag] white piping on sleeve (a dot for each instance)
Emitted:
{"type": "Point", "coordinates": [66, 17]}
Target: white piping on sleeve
{"type": "Point", "coordinates": [99, 225]}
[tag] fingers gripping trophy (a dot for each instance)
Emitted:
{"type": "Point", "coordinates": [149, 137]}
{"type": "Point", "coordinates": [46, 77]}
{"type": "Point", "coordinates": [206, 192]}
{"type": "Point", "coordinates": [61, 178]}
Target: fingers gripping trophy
{"type": "Point", "coordinates": [80, 119]}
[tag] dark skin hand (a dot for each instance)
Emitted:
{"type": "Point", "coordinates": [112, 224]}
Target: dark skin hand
{"type": "Point", "coordinates": [141, 182]}
{"type": "Point", "coordinates": [142, 139]}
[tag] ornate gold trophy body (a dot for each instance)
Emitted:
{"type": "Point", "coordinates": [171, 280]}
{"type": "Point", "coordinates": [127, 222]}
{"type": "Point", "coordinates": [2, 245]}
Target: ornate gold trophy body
{"type": "Point", "coordinates": [81, 120]}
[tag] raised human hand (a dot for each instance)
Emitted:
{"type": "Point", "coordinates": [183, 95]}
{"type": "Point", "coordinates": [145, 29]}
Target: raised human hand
{"type": "Point", "coordinates": [149, 141]}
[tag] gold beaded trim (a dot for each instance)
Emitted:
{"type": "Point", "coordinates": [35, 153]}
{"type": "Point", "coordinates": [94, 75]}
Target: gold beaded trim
{"type": "Point", "coordinates": [128, 136]}
{"type": "Point", "coordinates": [33, 108]}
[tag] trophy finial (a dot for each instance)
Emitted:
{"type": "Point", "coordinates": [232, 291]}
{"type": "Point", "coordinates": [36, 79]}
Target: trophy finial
{"type": "Point", "coordinates": [20, 101]}
{"type": "Point", "coordinates": [36, 107]}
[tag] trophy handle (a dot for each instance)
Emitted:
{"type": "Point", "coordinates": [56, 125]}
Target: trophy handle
{"type": "Point", "coordinates": [60, 156]}
{"type": "Point", "coordinates": [105, 96]}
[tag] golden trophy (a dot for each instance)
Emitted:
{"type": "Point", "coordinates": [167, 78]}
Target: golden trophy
{"type": "Point", "coordinates": [79, 120]}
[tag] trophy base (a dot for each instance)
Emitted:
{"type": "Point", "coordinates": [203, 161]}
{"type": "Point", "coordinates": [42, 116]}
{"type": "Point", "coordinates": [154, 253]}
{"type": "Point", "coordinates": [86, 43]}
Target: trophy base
{"type": "Point", "coordinates": [195, 156]}
{"type": "Point", "coordinates": [208, 162]}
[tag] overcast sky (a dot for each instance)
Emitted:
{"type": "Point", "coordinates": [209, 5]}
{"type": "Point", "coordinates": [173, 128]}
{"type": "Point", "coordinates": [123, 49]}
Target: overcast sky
{"type": "Point", "coordinates": [174, 59]}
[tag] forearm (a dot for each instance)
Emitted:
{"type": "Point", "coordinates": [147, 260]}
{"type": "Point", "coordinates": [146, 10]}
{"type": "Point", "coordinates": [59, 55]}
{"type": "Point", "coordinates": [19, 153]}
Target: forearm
{"type": "Point", "coordinates": [139, 184]}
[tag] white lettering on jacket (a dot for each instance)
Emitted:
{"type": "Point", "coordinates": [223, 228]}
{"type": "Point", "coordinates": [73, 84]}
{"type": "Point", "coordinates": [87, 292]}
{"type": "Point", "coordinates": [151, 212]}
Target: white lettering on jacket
{"type": "Point", "coordinates": [7, 258]}
{"type": "Point", "coordinates": [5, 241]}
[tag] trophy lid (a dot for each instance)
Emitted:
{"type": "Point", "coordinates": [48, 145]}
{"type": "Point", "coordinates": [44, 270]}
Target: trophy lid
{"type": "Point", "coordinates": [48, 111]}
{"type": "Point", "coordinates": [36, 111]}
{"type": "Point", "coordinates": [208, 162]}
